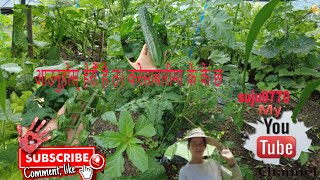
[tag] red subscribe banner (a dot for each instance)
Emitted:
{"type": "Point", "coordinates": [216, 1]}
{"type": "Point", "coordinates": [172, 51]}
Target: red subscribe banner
{"type": "Point", "coordinates": [56, 156]}
{"type": "Point", "coordinates": [61, 161]}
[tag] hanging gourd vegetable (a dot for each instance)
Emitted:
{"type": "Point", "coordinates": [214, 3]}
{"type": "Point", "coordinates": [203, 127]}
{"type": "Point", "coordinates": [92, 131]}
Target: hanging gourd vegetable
{"type": "Point", "coordinates": [151, 38]}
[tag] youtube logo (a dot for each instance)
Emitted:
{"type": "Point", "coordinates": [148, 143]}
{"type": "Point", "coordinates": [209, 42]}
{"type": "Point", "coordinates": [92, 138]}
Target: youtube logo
{"type": "Point", "coordinates": [276, 146]}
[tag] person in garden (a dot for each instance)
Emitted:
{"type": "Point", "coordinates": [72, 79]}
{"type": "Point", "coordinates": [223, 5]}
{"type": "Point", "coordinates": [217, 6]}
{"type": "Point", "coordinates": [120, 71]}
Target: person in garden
{"type": "Point", "coordinates": [207, 169]}
{"type": "Point", "coordinates": [144, 61]}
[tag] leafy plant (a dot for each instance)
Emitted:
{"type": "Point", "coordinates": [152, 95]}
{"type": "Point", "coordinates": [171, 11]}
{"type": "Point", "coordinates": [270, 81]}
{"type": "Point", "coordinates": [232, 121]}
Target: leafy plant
{"type": "Point", "coordinates": [154, 108]}
{"type": "Point", "coordinates": [125, 140]}
{"type": "Point", "coordinates": [19, 102]}
{"type": "Point", "coordinates": [304, 157]}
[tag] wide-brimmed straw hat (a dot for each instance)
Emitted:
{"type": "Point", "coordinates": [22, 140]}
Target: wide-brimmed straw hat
{"type": "Point", "coordinates": [198, 132]}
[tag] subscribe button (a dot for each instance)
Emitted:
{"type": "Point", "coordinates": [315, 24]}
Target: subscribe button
{"type": "Point", "coordinates": [51, 157]}
{"type": "Point", "coordinates": [276, 146]}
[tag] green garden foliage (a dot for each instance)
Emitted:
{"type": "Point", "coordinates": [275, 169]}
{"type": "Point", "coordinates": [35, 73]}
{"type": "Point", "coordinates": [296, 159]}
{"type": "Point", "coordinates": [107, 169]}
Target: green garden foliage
{"type": "Point", "coordinates": [273, 47]}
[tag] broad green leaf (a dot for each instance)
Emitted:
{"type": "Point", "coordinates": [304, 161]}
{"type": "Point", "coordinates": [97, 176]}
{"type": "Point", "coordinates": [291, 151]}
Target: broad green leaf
{"type": "Point", "coordinates": [281, 66]}
{"type": "Point", "coordinates": [166, 105]}
{"type": "Point", "coordinates": [89, 119]}
{"type": "Point", "coordinates": [64, 121]}
{"type": "Point", "coordinates": [138, 157]}
{"type": "Point", "coordinates": [115, 46]}
{"type": "Point", "coordinates": [304, 96]}
{"type": "Point", "coordinates": [218, 26]}
{"type": "Point", "coordinates": [110, 116]}
{"type": "Point", "coordinates": [40, 44]}
{"type": "Point", "coordinates": [204, 53]}
{"type": "Point", "coordinates": [11, 68]}
{"type": "Point", "coordinates": [83, 136]}
{"type": "Point", "coordinates": [255, 63]}
{"type": "Point", "coordinates": [271, 85]}
{"type": "Point", "coordinates": [171, 150]}
{"type": "Point", "coordinates": [114, 167]}
{"type": "Point", "coordinates": [109, 139]}
{"type": "Point", "coordinates": [41, 113]}
{"type": "Point", "coordinates": [306, 72]}
{"type": "Point", "coordinates": [14, 97]}
{"type": "Point", "coordinates": [271, 78]}
{"type": "Point", "coordinates": [269, 51]}
{"type": "Point", "coordinates": [92, 3]}
{"type": "Point", "coordinates": [219, 57]}
{"type": "Point", "coordinates": [156, 171]}
{"type": "Point", "coordinates": [83, 95]}
{"type": "Point", "coordinates": [300, 82]}
{"type": "Point", "coordinates": [3, 94]}
{"type": "Point", "coordinates": [261, 85]}
{"type": "Point", "coordinates": [262, 16]}
{"type": "Point", "coordinates": [73, 107]}
{"type": "Point", "coordinates": [134, 140]}
{"type": "Point", "coordinates": [172, 96]}
{"type": "Point", "coordinates": [259, 76]}
{"type": "Point", "coordinates": [286, 82]}
{"type": "Point", "coordinates": [101, 106]}
{"type": "Point", "coordinates": [304, 157]}
{"type": "Point", "coordinates": [126, 124]}
{"type": "Point", "coordinates": [267, 69]}
{"type": "Point", "coordinates": [299, 44]}
{"type": "Point", "coordinates": [122, 148]}
{"type": "Point", "coordinates": [314, 59]}
{"type": "Point", "coordinates": [285, 72]}
{"type": "Point", "coordinates": [300, 71]}
{"type": "Point", "coordinates": [62, 135]}
{"type": "Point", "coordinates": [314, 148]}
{"type": "Point", "coordinates": [144, 127]}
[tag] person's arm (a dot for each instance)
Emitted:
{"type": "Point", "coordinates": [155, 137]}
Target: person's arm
{"type": "Point", "coordinates": [233, 172]}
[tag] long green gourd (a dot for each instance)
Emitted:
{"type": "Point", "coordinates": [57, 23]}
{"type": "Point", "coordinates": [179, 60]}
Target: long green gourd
{"type": "Point", "coordinates": [152, 40]}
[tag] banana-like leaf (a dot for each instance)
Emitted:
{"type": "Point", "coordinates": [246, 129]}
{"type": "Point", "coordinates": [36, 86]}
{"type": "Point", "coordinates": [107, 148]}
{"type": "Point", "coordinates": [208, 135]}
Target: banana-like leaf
{"type": "Point", "coordinates": [304, 96]}
{"type": "Point", "coordinates": [262, 16]}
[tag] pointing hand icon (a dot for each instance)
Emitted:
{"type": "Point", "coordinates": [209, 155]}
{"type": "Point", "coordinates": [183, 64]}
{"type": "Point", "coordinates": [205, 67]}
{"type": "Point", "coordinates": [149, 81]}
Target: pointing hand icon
{"type": "Point", "coordinates": [86, 172]}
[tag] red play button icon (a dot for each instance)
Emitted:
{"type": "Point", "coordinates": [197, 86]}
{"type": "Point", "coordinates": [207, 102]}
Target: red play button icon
{"type": "Point", "coordinates": [97, 161]}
